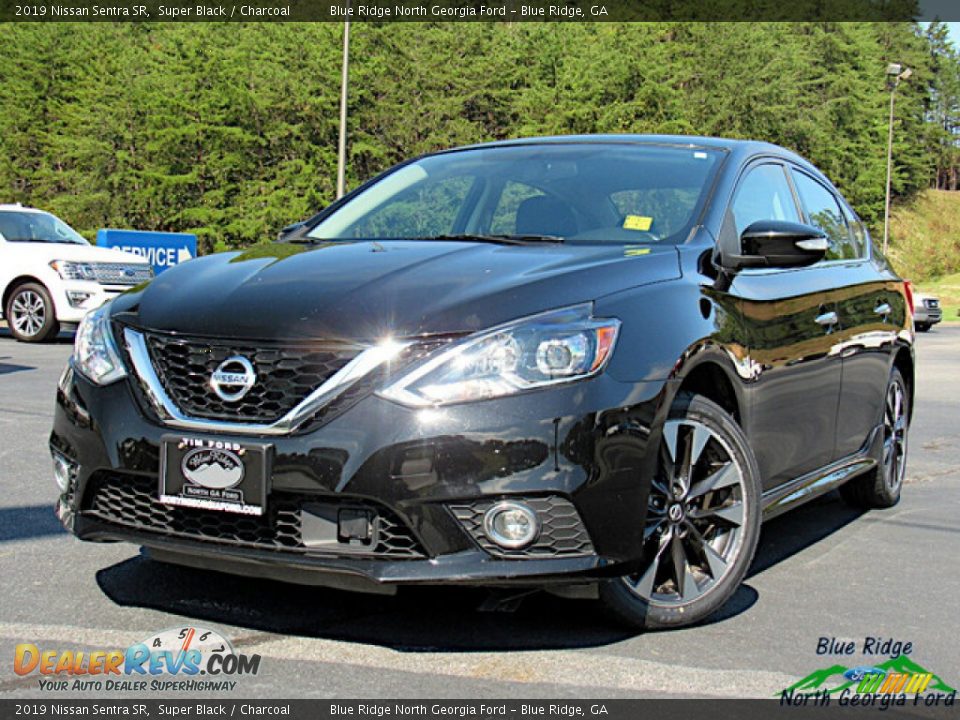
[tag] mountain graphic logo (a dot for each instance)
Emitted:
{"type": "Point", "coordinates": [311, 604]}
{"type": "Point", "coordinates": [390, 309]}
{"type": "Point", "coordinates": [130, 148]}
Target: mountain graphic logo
{"type": "Point", "coordinates": [212, 469]}
{"type": "Point", "coordinates": [837, 678]}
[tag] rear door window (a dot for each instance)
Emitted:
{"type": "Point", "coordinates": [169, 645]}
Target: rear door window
{"type": "Point", "coordinates": [858, 231]}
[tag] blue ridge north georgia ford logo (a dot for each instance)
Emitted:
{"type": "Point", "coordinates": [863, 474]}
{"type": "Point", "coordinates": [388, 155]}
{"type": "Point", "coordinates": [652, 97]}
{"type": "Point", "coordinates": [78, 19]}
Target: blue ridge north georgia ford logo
{"type": "Point", "coordinates": [213, 468]}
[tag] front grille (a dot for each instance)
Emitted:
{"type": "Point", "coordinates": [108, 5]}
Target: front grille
{"type": "Point", "coordinates": [286, 374]}
{"type": "Point", "coordinates": [131, 502]}
{"type": "Point", "coordinates": [561, 531]}
{"type": "Point", "coordinates": [122, 273]}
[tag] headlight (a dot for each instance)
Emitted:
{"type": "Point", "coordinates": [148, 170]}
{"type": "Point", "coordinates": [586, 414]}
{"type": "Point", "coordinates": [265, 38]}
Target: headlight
{"type": "Point", "coordinates": [74, 270]}
{"type": "Point", "coordinates": [547, 349]}
{"type": "Point", "coordinates": [95, 354]}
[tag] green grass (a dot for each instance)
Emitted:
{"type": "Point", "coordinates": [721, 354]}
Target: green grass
{"type": "Point", "coordinates": [925, 246]}
{"type": "Point", "coordinates": [925, 236]}
{"type": "Point", "coordinates": [947, 288]}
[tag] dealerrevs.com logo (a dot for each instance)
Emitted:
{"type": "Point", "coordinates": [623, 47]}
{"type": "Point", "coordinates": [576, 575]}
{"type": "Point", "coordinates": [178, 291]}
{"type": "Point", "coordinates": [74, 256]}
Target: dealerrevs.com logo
{"type": "Point", "coordinates": [179, 659]}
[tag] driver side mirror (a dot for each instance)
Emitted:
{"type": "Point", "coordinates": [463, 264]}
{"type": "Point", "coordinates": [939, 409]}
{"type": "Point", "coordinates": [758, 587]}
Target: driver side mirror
{"type": "Point", "coordinates": [778, 244]}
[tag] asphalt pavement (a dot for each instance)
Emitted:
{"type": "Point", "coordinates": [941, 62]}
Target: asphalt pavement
{"type": "Point", "coordinates": [824, 570]}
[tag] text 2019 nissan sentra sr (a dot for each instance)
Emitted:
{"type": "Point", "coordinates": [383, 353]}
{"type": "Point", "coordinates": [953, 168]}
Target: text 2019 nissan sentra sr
{"type": "Point", "coordinates": [582, 361]}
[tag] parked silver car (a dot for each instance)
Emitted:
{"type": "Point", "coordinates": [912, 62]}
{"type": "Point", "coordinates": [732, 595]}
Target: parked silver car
{"type": "Point", "coordinates": [926, 312]}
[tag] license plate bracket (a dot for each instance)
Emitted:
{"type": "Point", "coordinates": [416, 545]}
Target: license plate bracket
{"type": "Point", "coordinates": [214, 474]}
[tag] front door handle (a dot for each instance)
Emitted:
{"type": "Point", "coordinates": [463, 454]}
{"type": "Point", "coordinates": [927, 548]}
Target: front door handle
{"type": "Point", "coordinates": [828, 319]}
{"type": "Point", "coordinates": [883, 309]}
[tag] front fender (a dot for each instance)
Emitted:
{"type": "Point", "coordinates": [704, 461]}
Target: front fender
{"type": "Point", "coordinates": [670, 327]}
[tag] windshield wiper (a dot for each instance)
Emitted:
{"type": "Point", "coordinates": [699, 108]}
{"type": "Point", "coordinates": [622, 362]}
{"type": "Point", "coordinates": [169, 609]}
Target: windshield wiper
{"type": "Point", "coordinates": [464, 237]}
{"type": "Point", "coordinates": [501, 239]}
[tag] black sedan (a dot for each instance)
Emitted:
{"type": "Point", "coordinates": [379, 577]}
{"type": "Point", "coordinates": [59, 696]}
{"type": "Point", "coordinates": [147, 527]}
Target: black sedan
{"type": "Point", "coordinates": [589, 363]}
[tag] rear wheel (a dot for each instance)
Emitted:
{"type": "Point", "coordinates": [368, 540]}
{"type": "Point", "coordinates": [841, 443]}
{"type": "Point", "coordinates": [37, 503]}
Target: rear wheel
{"type": "Point", "coordinates": [702, 524]}
{"type": "Point", "coordinates": [30, 313]}
{"type": "Point", "coordinates": [880, 488]}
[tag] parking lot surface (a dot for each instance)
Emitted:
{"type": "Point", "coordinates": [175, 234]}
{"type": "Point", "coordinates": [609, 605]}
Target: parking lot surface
{"type": "Point", "coordinates": [824, 570]}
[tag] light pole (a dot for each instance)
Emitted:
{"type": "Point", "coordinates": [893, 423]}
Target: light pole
{"type": "Point", "coordinates": [342, 141]}
{"type": "Point", "coordinates": [895, 73]}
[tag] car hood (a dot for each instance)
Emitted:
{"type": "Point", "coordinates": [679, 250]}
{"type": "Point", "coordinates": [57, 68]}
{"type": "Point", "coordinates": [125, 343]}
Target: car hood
{"type": "Point", "coordinates": [364, 291]}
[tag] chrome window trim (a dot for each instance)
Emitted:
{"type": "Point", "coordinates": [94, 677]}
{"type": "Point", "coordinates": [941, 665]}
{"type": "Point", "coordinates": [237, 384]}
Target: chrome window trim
{"type": "Point", "coordinates": [170, 414]}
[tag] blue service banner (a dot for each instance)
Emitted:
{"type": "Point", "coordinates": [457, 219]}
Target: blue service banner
{"type": "Point", "coordinates": [163, 250]}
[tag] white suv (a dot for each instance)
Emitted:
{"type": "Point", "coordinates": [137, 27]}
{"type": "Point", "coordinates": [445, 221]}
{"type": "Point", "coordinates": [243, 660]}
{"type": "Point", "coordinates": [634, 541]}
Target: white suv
{"type": "Point", "coordinates": [50, 276]}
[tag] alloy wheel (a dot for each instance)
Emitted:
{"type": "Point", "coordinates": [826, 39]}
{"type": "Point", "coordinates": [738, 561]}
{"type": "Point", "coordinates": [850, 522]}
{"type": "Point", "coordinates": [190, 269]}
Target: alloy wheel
{"type": "Point", "coordinates": [28, 313]}
{"type": "Point", "coordinates": [695, 516]}
{"type": "Point", "coordinates": [894, 436]}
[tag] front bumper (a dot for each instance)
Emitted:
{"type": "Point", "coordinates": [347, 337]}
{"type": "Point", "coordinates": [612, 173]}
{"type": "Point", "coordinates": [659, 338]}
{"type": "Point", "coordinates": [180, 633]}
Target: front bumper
{"type": "Point", "coordinates": [578, 453]}
{"type": "Point", "coordinates": [467, 567]}
{"type": "Point", "coordinates": [927, 316]}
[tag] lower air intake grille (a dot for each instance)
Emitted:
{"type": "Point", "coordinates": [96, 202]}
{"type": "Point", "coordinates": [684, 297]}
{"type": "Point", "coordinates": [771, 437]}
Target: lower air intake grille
{"type": "Point", "coordinates": [561, 531]}
{"type": "Point", "coordinates": [130, 501]}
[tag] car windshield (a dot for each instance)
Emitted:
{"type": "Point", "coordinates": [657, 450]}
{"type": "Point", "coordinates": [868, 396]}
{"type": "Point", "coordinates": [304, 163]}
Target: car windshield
{"type": "Point", "coordinates": [574, 192]}
{"type": "Point", "coordinates": [37, 227]}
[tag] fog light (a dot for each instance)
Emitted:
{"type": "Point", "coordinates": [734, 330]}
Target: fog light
{"type": "Point", "coordinates": [511, 525]}
{"type": "Point", "coordinates": [63, 472]}
{"type": "Point", "coordinates": [77, 298]}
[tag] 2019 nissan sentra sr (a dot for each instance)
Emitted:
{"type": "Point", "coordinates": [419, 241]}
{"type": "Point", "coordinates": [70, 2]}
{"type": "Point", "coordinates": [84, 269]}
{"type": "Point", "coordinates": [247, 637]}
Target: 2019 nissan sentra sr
{"type": "Point", "coordinates": [592, 363]}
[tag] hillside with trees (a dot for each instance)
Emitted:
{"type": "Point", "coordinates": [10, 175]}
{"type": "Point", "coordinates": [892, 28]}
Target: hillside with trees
{"type": "Point", "coordinates": [229, 130]}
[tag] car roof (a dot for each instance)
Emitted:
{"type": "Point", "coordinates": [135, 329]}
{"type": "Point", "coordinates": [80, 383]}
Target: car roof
{"type": "Point", "coordinates": [647, 139]}
{"type": "Point", "coordinates": [741, 150]}
{"type": "Point", "coordinates": [17, 207]}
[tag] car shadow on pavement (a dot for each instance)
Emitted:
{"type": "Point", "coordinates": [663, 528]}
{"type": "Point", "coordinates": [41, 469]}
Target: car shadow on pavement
{"type": "Point", "coordinates": [8, 368]}
{"type": "Point", "coordinates": [794, 531]}
{"type": "Point", "coordinates": [65, 337]}
{"type": "Point", "coordinates": [421, 619]}
{"type": "Point", "coordinates": [28, 522]}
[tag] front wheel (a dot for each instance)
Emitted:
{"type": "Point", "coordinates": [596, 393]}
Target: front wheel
{"type": "Point", "coordinates": [921, 327]}
{"type": "Point", "coordinates": [702, 524]}
{"type": "Point", "coordinates": [30, 314]}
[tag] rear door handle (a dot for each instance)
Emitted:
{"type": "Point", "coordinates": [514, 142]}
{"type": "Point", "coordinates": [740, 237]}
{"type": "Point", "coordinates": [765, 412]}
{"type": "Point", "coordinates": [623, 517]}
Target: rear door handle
{"type": "Point", "coordinates": [883, 309]}
{"type": "Point", "coordinates": [828, 319]}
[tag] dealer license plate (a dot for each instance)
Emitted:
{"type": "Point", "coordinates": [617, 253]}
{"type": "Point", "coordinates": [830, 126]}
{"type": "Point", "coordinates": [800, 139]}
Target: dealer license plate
{"type": "Point", "coordinates": [214, 474]}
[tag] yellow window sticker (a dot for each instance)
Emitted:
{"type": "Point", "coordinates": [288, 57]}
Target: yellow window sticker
{"type": "Point", "coordinates": [637, 222]}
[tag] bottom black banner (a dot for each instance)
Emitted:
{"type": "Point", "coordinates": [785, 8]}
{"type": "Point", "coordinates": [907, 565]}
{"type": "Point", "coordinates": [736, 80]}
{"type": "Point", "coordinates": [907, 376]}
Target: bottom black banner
{"type": "Point", "coordinates": [661, 709]}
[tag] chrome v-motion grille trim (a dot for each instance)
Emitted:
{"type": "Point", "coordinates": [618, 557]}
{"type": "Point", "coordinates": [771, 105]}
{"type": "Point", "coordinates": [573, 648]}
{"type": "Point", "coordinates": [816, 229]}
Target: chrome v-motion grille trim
{"type": "Point", "coordinates": [170, 414]}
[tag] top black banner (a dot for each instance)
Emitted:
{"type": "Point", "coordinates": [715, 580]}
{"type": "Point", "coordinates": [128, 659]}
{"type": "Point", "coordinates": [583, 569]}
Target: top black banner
{"type": "Point", "coordinates": [476, 10]}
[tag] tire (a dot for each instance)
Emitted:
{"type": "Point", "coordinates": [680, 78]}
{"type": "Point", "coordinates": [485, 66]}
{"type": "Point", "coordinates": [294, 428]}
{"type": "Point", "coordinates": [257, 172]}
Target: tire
{"type": "Point", "coordinates": [30, 314]}
{"type": "Point", "coordinates": [921, 327]}
{"type": "Point", "coordinates": [723, 478]}
{"type": "Point", "coordinates": [880, 488]}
